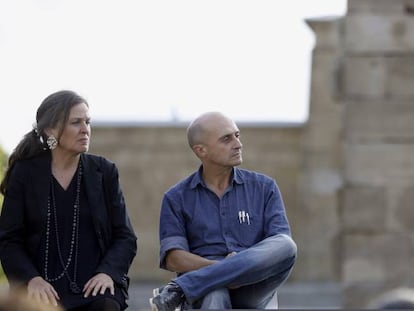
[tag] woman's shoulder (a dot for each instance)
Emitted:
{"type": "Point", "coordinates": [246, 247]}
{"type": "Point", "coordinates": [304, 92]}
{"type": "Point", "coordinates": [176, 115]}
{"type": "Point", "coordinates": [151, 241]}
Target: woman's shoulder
{"type": "Point", "coordinates": [98, 160]}
{"type": "Point", "coordinates": [39, 160]}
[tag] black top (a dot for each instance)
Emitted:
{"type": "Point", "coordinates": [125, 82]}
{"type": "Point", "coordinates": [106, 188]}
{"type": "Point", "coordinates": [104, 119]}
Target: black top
{"type": "Point", "coordinates": [88, 252]}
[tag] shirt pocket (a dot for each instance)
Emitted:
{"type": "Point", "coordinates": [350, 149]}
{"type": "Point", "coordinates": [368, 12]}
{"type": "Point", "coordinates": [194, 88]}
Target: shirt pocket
{"type": "Point", "coordinates": [248, 229]}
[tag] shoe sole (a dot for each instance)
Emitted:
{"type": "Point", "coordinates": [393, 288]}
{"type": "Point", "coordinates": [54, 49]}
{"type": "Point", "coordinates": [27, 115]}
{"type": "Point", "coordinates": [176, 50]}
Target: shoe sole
{"type": "Point", "coordinates": [155, 292]}
{"type": "Point", "coordinates": [153, 305]}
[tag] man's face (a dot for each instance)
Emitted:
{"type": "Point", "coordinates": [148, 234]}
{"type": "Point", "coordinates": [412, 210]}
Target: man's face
{"type": "Point", "coordinates": [222, 143]}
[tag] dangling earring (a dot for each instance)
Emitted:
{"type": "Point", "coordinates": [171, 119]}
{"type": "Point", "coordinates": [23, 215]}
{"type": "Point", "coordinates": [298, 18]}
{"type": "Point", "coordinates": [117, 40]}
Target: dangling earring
{"type": "Point", "coordinates": [52, 142]}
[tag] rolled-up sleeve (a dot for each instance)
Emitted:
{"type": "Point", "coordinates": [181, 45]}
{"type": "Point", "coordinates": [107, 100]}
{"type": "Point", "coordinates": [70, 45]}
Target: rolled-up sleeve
{"type": "Point", "coordinates": [276, 221]}
{"type": "Point", "coordinates": [170, 243]}
{"type": "Point", "coordinates": [172, 227]}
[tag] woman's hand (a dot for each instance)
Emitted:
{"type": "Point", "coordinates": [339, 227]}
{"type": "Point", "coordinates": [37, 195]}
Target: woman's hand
{"type": "Point", "coordinates": [99, 283]}
{"type": "Point", "coordinates": [42, 291]}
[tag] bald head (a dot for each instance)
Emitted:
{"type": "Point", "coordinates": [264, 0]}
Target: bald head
{"type": "Point", "coordinates": [199, 128]}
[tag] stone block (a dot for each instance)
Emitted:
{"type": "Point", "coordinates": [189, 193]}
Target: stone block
{"type": "Point", "coordinates": [379, 34]}
{"type": "Point", "coordinates": [317, 244]}
{"type": "Point", "coordinates": [400, 77]}
{"type": "Point", "coordinates": [359, 295]}
{"type": "Point", "coordinates": [376, 257]}
{"type": "Point", "coordinates": [364, 209]}
{"type": "Point", "coordinates": [323, 181]}
{"type": "Point", "coordinates": [384, 7]}
{"type": "Point", "coordinates": [365, 77]}
{"type": "Point", "coordinates": [378, 164]}
{"type": "Point", "coordinates": [401, 212]}
{"type": "Point", "coordinates": [323, 131]}
{"type": "Point", "coordinates": [326, 79]}
{"type": "Point", "coordinates": [379, 121]}
{"type": "Point", "coordinates": [373, 264]}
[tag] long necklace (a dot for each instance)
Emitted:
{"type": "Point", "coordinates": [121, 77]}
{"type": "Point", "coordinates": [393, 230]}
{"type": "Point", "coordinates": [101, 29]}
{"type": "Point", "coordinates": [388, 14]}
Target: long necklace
{"type": "Point", "coordinates": [74, 243]}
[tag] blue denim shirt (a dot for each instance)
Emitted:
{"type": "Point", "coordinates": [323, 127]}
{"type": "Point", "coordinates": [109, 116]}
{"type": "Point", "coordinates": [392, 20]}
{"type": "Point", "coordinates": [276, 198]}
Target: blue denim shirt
{"type": "Point", "coordinates": [195, 219]}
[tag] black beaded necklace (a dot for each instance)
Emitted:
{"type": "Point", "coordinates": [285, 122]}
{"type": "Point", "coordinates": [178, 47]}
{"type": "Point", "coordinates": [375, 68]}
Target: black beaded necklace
{"type": "Point", "coordinates": [74, 243]}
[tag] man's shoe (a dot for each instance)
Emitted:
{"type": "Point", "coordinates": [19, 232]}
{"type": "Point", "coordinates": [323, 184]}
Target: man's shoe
{"type": "Point", "coordinates": [157, 291]}
{"type": "Point", "coordinates": [168, 299]}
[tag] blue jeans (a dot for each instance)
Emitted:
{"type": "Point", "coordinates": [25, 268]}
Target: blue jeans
{"type": "Point", "coordinates": [248, 279]}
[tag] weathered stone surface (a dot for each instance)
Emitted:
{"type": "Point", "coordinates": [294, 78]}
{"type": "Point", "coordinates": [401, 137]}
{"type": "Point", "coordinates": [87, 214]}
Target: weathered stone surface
{"type": "Point", "coordinates": [320, 176]}
{"type": "Point", "coordinates": [401, 211]}
{"type": "Point", "coordinates": [379, 77]}
{"type": "Point", "coordinates": [376, 257]}
{"type": "Point", "coordinates": [318, 252]}
{"type": "Point", "coordinates": [377, 213]}
{"type": "Point", "coordinates": [364, 210]}
{"type": "Point", "coordinates": [400, 77]}
{"type": "Point", "coordinates": [326, 79]}
{"type": "Point", "coordinates": [380, 121]}
{"type": "Point", "coordinates": [379, 34]}
{"type": "Point", "coordinates": [373, 264]}
{"type": "Point", "coordinates": [365, 77]}
{"type": "Point", "coordinates": [383, 7]}
{"type": "Point", "coordinates": [378, 164]}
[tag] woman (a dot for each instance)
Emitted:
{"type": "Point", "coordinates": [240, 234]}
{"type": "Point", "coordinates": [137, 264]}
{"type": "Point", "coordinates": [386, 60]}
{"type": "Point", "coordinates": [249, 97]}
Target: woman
{"type": "Point", "coordinates": [65, 234]}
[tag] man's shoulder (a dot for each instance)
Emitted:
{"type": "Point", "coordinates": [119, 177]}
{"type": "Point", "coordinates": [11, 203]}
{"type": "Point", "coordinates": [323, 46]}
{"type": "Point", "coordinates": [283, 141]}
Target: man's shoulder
{"type": "Point", "coordinates": [250, 175]}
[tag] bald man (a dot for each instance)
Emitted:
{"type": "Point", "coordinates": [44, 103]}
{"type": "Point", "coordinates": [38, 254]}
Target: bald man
{"type": "Point", "coordinates": [223, 229]}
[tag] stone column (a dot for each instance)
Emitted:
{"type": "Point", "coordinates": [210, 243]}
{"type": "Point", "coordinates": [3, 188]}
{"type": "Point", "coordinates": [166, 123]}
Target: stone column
{"type": "Point", "coordinates": [322, 160]}
{"type": "Point", "coordinates": [377, 209]}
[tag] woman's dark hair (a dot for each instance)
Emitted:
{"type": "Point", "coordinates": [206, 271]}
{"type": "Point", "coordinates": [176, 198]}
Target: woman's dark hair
{"type": "Point", "coordinates": [52, 113]}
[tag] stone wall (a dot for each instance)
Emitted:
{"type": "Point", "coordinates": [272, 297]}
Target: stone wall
{"type": "Point", "coordinates": [377, 94]}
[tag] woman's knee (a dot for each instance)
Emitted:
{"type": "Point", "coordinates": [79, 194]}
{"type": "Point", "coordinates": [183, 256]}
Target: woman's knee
{"type": "Point", "coordinates": [106, 304]}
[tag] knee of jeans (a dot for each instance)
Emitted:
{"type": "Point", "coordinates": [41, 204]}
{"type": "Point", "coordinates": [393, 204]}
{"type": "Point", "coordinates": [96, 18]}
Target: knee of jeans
{"type": "Point", "coordinates": [289, 246]}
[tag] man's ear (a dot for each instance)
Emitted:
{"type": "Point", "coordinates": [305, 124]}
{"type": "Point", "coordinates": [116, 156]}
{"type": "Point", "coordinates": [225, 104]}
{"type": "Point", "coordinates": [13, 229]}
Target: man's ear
{"type": "Point", "coordinates": [199, 150]}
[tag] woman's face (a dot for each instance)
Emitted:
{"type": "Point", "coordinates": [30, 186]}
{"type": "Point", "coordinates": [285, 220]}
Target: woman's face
{"type": "Point", "coordinates": [76, 131]}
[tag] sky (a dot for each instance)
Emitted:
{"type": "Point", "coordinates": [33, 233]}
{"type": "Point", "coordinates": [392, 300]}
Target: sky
{"type": "Point", "coordinates": [158, 60]}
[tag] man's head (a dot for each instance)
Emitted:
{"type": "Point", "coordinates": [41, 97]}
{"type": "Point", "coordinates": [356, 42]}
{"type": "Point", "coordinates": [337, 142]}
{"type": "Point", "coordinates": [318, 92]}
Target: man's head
{"type": "Point", "coordinates": [215, 139]}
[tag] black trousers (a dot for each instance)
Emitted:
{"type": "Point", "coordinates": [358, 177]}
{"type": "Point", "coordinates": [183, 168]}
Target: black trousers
{"type": "Point", "coordinates": [104, 304]}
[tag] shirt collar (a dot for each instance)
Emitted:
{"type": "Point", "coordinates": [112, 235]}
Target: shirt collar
{"type": "Point", "coordinates": [198, 180]}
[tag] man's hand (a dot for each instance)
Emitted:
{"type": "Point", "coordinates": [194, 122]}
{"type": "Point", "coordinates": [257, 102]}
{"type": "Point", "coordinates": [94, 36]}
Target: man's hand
{"type": "Point", "coordinates": [99, 283]}
{"type": "Point", "coordinates": [231, 254]}
{"type": "Point", "coordinates": [41, 291]}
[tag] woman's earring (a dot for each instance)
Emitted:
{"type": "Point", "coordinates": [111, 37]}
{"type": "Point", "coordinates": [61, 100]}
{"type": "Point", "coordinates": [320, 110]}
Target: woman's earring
{"type": "Point", "coordinates": [52, 142]}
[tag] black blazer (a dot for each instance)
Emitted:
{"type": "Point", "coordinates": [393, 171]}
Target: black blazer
{"type": "Point", "coordinates": [23, 217]}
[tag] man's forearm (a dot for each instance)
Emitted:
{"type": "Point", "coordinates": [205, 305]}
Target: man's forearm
{"type": "Point", "coordinates": [182, 261]}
